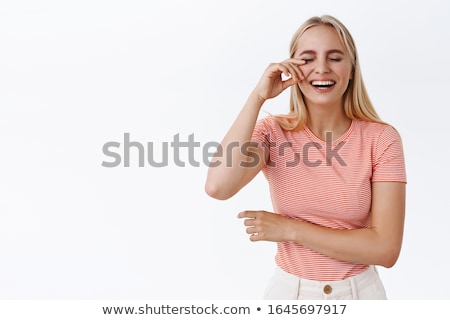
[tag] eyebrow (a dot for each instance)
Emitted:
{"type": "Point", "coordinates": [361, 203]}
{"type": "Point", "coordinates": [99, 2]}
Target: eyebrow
{"type": "Point", "coordinates": [328, 52]}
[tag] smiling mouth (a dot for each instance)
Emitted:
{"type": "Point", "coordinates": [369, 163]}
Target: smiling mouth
{"type": "Point", "coordinates": [323, 84]}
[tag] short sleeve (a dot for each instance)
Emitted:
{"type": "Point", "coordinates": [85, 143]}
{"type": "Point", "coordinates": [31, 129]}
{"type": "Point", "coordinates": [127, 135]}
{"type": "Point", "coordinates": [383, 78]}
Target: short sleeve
{"type": "Point", "coordinates": [389, 162]}
{"type": "Point", "coordinates": [262, 132]}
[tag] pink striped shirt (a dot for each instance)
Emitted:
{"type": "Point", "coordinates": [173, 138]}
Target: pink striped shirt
{"type": "Point", "coordinates": [328, 184]}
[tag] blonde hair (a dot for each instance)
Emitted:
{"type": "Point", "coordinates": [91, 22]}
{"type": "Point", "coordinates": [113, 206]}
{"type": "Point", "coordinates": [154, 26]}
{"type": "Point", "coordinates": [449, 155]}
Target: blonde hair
{"type": "Point", "coordinates": [357, 104]}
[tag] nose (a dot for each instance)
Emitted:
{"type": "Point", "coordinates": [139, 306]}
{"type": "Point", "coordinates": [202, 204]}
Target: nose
{"type": "Point", "coordinates": [321, 66]}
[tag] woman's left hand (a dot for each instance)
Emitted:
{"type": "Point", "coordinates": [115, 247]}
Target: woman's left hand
{"type": "Point", "coordinates": [267, 226]}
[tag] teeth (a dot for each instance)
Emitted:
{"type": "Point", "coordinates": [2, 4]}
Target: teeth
{"type": "Point", "coordinates": [322, 83]}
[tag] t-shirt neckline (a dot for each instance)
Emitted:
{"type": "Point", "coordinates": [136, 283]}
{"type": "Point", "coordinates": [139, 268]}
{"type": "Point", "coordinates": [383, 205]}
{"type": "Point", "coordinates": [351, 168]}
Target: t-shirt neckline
{"type": "Point", "coordinates": [344, 136]}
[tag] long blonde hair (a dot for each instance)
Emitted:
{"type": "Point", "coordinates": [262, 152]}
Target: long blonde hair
{"type": "Point", "coordinates": [357, 104]}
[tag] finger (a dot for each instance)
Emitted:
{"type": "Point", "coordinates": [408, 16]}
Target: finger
{"type": "Point", "coordinates": [295, 69]}
{"type": "Point", "coordinates": [288, 67]}
{"type": "Point", "coordinates": [302, 75]}
{"type": "Point", "coordinates": [288, 70]}
{"type": "Point", "coordinates": [282, 68]}
{"type": "Point", "coordinates": [249, 222]}
{"type": "Point", "coordinates": [254, 237]}
{"type": "Point", "coordinates": [251, 230]}
{"type": "Point", "coordinates": [297, 63]}
{"type": "Point", "coordinates": [290, 82]}
{"type": "Point", "coordinates": [302, 63]}
{"type": "Point", "coordinates": [247, 214]}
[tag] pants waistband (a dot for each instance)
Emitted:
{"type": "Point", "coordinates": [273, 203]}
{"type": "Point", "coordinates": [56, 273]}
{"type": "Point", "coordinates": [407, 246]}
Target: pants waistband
{"type": "Point", "coordinates": [360, 278]}
{"type": "Point", "coordinates": [333, 289]}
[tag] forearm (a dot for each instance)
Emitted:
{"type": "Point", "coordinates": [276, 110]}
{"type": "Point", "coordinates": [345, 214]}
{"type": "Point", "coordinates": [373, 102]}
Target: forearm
{"type": "Point", "coordinates": [240, 132]}
{"type": "Point", "coordinates": [363, 245]}
{"type": "Point", "coordinates": [226, 172]}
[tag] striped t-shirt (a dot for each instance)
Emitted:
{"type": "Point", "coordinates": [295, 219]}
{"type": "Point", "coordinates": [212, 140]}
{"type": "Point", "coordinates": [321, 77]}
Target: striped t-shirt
{"type": "Point", "coordinates": [328, 184]}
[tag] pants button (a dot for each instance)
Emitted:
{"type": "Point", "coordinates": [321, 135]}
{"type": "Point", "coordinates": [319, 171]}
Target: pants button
{"type": "Point", "coordinates": [327, 289]}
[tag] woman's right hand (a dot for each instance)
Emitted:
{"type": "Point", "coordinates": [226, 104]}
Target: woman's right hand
{"type": "Point", "coordinates": [272, 84]}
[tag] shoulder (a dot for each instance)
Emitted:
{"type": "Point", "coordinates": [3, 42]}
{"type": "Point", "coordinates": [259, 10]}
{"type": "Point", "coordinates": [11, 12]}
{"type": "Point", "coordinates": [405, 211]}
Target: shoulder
{"type": "Point", "coordinates": [270, 130]}
{"type": "Point", "coordinates": [376, 130]}
{"type": "Point", "coordinates": [278, 123]}
{"type": "Point", "coordinates": [268, 121]}
{"type": "Point", "coordinates": [267, 124]}
{"type": "Point", "coordinates": [384, 142]}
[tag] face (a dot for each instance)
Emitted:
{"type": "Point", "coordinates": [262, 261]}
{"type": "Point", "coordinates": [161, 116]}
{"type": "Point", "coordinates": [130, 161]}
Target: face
{"type": "Point", "coordinates": [327, 70]}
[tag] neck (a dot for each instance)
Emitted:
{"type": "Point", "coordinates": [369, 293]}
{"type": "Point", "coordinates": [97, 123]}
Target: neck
{"type": "Point", "coordinates": [322, 120]}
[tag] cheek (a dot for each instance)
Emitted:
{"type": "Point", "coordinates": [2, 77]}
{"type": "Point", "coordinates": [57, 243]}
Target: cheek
{"type": "Point", "coordinates": [346, 71]}
{"type": "Point", "coordinates": [303, 86]}
{"type": "Point", "coordinates": [306, 69]}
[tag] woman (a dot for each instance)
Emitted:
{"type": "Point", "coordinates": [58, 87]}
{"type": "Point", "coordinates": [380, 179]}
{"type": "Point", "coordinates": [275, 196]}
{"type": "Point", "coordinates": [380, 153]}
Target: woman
{"type": "Point", "coordinates": [336, 172]}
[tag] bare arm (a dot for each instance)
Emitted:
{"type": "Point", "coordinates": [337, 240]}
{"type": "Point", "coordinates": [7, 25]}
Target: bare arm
{"type": "Point", "coordinates": [230, 175]}
{"type": "Point", "coordinates": [226, 179]}
{"type": "Point", "coordinates": [379, 244]}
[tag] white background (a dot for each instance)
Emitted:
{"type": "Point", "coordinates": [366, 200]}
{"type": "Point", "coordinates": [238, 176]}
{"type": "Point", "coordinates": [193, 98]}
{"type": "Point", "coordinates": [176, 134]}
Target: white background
{"type": "Point", "coordinates": [77, 74]}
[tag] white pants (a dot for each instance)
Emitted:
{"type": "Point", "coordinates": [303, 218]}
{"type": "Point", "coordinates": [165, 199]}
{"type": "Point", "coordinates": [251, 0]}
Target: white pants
{"type": "Point", "coordinates": [365, 286]}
